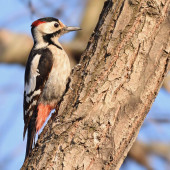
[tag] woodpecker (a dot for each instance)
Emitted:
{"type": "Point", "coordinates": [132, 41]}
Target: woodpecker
{"type": "Point", "coordinates": [46, 75]}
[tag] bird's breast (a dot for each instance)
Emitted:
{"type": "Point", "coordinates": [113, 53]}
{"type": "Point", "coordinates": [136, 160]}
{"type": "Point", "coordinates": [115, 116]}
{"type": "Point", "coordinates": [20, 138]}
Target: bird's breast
{"type": "Point", "coordinates": [58, 77]}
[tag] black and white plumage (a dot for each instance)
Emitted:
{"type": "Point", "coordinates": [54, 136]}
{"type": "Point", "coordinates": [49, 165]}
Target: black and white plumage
{"type": "Point", "coordinates": [46, 74]}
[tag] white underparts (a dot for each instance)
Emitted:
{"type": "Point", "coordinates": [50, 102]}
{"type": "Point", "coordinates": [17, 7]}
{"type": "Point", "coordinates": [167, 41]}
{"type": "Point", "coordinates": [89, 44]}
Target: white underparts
{"type": "Point", "coordinates": [56, 83]}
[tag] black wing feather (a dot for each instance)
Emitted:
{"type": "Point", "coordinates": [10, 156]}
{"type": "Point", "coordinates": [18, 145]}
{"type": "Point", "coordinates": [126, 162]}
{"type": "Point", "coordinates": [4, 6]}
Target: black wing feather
{"type": "Point", "coordinates": [44, 67]}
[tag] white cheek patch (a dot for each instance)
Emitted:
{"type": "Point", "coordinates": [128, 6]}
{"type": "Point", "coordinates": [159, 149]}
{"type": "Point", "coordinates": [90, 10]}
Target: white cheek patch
{"type": "Point", "coordinates": [34, 72]}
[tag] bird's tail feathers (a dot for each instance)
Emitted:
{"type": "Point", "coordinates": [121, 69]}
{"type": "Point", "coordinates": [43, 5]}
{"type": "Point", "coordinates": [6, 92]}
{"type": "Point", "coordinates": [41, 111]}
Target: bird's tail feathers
{"type": "Point", "coordinates": [31, 133]}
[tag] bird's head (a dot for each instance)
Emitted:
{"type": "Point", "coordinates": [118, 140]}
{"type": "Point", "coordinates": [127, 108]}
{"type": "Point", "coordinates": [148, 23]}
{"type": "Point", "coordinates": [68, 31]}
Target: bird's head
{"type": "Point", "coordinates": [49, 28]}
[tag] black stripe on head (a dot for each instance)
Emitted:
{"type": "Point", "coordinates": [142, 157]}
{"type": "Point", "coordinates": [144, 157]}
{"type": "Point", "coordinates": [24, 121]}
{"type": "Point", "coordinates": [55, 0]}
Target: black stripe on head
{"type": "Point", "coordinates": [49, 19]}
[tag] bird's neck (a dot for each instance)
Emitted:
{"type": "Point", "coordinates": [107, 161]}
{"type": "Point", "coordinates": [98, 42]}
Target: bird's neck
{"type": "Point", "coordinates": [42, 41]}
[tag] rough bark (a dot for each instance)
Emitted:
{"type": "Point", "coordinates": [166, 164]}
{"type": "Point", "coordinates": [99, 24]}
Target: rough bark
{"type": "Point", "coordinates": [112, 90]}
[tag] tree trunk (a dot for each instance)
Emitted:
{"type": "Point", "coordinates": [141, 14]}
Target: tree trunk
{"type": "Point", "coordinates": [112, 90]}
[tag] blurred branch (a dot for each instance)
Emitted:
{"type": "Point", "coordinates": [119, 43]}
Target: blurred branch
{"type": "Point", "coordinates": [166, 83]}
{"type": "Point", "coordinates": [89, 20]}
{"type": "Point", "coordinates": [14, 48]}
{"type": "Point", "coordinates": [159, 120]}
{"type": "Point", "coordinates": [140, 152]}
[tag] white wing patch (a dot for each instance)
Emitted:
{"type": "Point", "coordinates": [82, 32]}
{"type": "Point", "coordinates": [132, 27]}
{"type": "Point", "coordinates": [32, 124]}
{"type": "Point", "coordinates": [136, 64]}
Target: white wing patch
{"type": "Point", "coordinates": [28, 99]}
{"type": "Point", "coordinates": [34, 72]}
{"type": "Point", "coordinates": [28, 110]}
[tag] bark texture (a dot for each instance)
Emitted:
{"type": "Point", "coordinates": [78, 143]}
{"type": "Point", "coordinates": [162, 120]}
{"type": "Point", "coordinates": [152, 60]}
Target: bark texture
{"type": "Point", "coordinates": [112, 90]}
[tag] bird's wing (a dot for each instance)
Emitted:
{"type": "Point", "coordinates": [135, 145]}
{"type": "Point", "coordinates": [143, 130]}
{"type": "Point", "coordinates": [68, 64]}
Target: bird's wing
{"type": "Point", "coordinates": [37, 71]}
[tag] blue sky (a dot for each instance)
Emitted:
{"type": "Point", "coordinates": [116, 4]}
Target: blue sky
{"type": "Point", "coordinates": [15, 16]}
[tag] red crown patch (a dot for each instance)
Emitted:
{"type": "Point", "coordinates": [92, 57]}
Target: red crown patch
{"type": "Point", "coordinates": [36, 23]}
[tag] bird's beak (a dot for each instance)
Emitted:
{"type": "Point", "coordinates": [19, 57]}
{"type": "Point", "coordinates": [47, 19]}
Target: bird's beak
{"type": "Point", "coordinates": [68, 29]}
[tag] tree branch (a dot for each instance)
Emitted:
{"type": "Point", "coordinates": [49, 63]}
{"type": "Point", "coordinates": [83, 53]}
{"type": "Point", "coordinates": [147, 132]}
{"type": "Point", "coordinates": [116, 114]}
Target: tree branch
{"type": "Point", "coordinates": [121, 72]}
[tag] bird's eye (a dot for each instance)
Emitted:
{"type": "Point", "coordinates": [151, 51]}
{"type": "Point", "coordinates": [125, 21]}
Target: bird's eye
{"type": "Point", "coordinates": [56, 25]}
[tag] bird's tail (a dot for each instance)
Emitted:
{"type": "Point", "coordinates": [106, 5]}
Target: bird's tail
{"type": "Point", "coordinates": [31, 135]}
